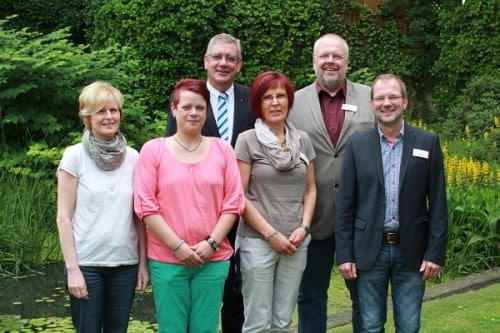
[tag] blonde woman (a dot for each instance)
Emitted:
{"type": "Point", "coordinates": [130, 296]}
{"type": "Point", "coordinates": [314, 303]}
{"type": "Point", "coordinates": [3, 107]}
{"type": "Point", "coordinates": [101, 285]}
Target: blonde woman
{"type": "Point", "coordinates": [103, 242]}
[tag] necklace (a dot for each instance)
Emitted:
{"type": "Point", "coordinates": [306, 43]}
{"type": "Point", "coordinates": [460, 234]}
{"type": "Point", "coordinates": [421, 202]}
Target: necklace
{"type": "Point", "coordinates": [189, 150]}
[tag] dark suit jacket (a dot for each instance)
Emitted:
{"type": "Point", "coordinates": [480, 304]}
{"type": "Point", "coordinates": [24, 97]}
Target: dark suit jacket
{"type": "Point", "coordinates": [423, 215]}
{"type": "Point", "coordinates": [243, 117]}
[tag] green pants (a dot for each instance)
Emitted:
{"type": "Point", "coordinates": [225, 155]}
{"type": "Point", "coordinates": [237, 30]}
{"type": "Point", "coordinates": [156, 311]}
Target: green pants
{"type": "Point", "coordinates": [188, 299]}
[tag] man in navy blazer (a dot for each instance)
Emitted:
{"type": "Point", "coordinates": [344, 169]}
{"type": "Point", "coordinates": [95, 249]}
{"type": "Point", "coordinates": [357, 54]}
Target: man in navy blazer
{"type": "Point", "coordinates": [391, 222]}
{"type": "Point", "coordinates": [223, 62]}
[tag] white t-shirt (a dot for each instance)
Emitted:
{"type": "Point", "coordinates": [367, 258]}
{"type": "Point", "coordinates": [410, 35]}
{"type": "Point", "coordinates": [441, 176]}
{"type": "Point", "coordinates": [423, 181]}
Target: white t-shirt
{"type": "Point", "coordinates": [103, 225]}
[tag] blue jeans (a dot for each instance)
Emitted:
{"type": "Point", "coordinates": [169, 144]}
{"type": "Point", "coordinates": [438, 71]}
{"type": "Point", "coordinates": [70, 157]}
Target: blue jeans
{"type": "Point", "coordinates": [313, 292]}
{"type": "Point", "coordinates": [111, 292]}
{"type": "Point", "coordinates": [407, 289]}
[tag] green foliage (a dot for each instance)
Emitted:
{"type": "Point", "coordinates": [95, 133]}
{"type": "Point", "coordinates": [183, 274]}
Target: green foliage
{"type": "Point", "coordinates": [476, 115]}
{"type": "Point", "coordinates": [371, 45]}
{"type": "Point", "coordinates": [41, 77]}
{"type": "Point", "coordinates": [420, 44]}
{"type": "Point", "coordinates": [27, 221]}
{"type": "Point", "coordinates": [277, 37]}
{"type": "Point", "coordinates": [46, 16]}
{"type": "Point", "coordinates": [292, 31]}
{"type": "Point", "coordinates": [474, 230]}
{"type": "Point", "coordinates": [143, 48]}
{"type": "Point", "coordinates": [167, 38]}
{"type": "Point", "coordinates": [469, 44]}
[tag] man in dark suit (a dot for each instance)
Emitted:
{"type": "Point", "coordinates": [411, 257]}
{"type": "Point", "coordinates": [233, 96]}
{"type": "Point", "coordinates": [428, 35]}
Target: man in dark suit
{"type": "Point", "coordinates": [391, 222]}
{"type": "Point", "coordinates": [330, 110]}
{"type": "Point", "coordinates": [223, 62]}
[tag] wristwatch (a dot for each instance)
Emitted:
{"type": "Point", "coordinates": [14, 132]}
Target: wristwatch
{"type": "Point", "coordinates": [212, 243]}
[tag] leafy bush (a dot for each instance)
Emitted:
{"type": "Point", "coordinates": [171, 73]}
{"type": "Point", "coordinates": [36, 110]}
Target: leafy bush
{"type": "Point", "coordinates": [419, 42]}
{"type": "Point", "coordinates": [46, 16]}
{"type": "Point", "coordinates": [474, 230]}
{"type": "Point", "coordinates": [41, 77]}
{"type": "Point", "coordinates": [476, 118]}
{"type": "Point", "coordinates": [468, 43]}
{"type": "Point", "coordinates": [169, 38]}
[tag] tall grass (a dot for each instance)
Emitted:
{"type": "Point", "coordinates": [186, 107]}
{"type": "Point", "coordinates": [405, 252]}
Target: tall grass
{"type": "Point", "coordinates": [28, 235]}
{"type": "Point", "coordinates": [474, 235]}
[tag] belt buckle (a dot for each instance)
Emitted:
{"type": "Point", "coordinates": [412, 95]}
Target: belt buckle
{"type": "Point", "coordinates": [391, 237]}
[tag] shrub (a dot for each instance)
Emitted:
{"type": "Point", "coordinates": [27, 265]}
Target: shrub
{"type": "Point", "coordinates": [468, 43]}
{"type": "Point", "coordinates": [474, 234]}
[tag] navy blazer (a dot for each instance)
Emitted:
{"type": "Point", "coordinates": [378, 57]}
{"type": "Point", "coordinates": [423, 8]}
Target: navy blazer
{"type": "Point", "coordinates": [423, 216]}
{"type": "Point", "coordinates": [243, 117]}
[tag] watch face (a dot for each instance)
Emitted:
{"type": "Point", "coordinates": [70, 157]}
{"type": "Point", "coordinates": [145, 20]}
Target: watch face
{"type": "Point", "coordinates": [212, 243]}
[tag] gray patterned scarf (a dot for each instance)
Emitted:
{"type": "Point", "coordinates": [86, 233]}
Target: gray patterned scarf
{"type": "Point", "coordinates": [108, 155]}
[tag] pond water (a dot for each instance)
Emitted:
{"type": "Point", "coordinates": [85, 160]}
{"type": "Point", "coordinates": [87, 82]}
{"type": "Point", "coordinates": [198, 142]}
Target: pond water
{"type": "Point", "coordinates": [42, 294]}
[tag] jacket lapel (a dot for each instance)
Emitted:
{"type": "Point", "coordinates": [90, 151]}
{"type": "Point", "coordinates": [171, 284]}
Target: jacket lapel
{"type": "Point", "coordinates": [210, 123]}
{"type": "Point", "coordinates": [408, 141]}
{"type": "Point", "coordinates": [376, 152]}
{"type": "Point", "coordinates": [239, 109]}
{"type": "Point", "coordinates": [313, 100]}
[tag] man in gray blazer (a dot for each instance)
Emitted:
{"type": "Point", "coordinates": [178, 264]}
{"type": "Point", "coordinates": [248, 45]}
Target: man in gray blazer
{"type": "Point", "coordinates": [223, 62]}
{"type": "Point", "coordinates": [392, 221]}
{"type": "Point", "coordinates": [329, 110]}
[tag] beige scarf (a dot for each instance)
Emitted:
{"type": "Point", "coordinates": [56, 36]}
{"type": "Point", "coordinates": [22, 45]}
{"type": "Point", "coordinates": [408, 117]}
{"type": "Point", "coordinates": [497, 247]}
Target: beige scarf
{"type": "Point", "coordinates": [281, 158]}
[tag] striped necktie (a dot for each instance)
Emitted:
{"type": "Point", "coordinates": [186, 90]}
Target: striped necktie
{"type": "Point", "coordinates": [222, 117]}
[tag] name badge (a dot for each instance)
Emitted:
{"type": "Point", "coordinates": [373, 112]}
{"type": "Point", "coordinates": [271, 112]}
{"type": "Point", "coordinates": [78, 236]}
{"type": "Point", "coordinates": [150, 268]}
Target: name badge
{"type": "Point", "coordinates": [420, 153]}
{"type": "Point", "coordinates": [349, 107]}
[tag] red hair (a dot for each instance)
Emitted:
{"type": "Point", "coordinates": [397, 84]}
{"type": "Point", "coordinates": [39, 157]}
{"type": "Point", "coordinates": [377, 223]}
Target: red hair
{"type": "Point", "coordinates": [194, 85]}
{"type": "Point", "coordinates": [265, 81]}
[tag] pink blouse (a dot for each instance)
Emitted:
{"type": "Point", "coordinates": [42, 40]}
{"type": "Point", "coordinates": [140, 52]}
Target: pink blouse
{"type": "Point", "coordinates": [190, 196]}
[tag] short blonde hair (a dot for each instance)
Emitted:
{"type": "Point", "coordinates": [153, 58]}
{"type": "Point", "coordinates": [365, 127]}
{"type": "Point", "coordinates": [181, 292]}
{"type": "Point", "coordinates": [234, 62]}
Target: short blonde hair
{"type": "Point", "coordinates": [94, 98]}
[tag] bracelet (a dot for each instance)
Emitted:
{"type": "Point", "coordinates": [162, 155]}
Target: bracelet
{"type": "Point", "coordinates": [178, 246]}
{"type": "Point", "coordinates": [306, 228]}
{"type": "Point", "coordinates": [275, 232]}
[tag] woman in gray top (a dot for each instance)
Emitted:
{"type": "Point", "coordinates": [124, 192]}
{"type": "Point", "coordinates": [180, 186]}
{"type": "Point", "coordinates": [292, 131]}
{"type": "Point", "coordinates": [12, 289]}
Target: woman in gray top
{"type": "Point", "coordinates": [276, 166]}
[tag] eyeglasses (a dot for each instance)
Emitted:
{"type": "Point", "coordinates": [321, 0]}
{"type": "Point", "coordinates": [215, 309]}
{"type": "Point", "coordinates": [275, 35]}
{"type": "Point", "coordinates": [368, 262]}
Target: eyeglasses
{"type": "Point", "coordinates": [270, 98]}
{"type": "Point", "coordinates": [381, 99]}
{"type": "Point", "coordinates": [325, 57]}
{"type": "Point", "coordinates": [219, 57]}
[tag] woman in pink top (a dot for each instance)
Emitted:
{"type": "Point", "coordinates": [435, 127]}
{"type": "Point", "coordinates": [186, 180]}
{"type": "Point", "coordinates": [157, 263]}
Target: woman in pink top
{"type": "Point", "coordinates": [188, 191]}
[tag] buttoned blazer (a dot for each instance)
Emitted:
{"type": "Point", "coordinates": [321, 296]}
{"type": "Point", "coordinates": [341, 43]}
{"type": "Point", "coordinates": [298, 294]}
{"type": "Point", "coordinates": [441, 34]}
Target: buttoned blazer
{"type": "Point", "coordinates": [306, 115]}
{"type": "Point", "coordinates": [243, 117]}
{"type": "Point", "coordinates": [361, 206]}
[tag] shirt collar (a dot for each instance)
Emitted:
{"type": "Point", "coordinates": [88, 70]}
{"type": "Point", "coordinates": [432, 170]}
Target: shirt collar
{"type": "Point", "coordinates": [342, 89]}
{"type": "Point", "coordinates": [215, 92]}
{"type": "Point", "coordinates": [400, 134]}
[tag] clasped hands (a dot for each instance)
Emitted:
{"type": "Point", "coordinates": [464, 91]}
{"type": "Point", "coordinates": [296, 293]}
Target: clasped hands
{"type": "Point", "coordinates": [287, 246]}
{"type": "Point", "coordinates": [195, 255]}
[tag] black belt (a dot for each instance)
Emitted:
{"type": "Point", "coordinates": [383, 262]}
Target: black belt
{"type": "Point", "coordinates": [391, 237]}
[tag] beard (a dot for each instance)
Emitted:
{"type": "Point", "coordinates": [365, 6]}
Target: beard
{"type": "Point", "coordinates": [329, 82]}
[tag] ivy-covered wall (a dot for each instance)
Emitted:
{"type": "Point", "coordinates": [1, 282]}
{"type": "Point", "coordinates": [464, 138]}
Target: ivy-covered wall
{"type": "Point", "coordinates": [144, 47]}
